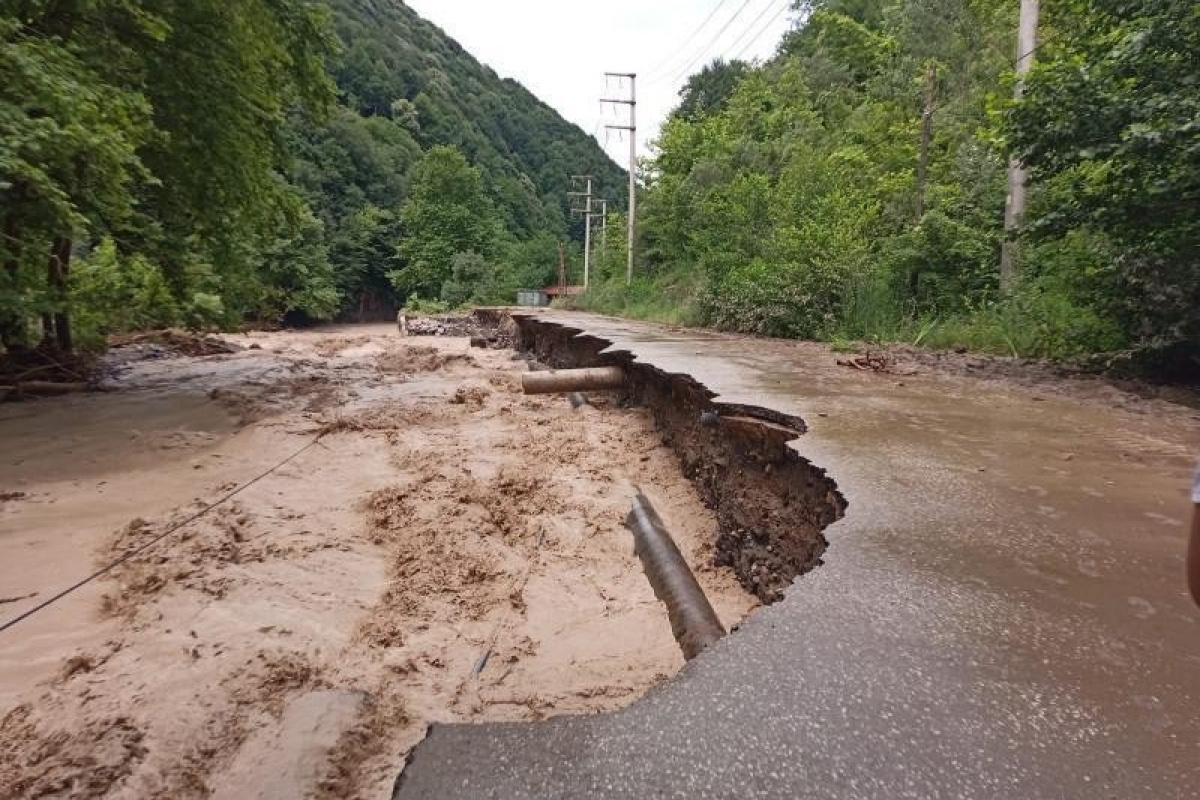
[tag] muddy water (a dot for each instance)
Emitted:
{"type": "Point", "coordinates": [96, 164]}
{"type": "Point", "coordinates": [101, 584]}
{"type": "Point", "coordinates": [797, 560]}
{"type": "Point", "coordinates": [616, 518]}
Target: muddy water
{"type": "Point", "coordinates": [449, 550]}
{"type": "Point", "coordinates": [1008, 576]}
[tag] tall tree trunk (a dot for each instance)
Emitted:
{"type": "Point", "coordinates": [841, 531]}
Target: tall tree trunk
{"type": "Point", "coordinates": [47, 331]}
{"type": "Point", "coordinates": [914, 278]}
{"type": "Point", "coordinates": [13, 335]}
{"type": "Point", "coordinates": [926, 138]}
{"type": "Point", "coordinates": [59, 269]}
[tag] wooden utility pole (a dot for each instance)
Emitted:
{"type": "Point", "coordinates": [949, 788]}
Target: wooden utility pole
{"type": "Point", "coordinates": [604, 227]}
{"type": "Point", "coordinates": [632, 128]}
{"type": "Point", "coordinates": [586, 211]}
{"type": "Point", "coordinates": [1014, 205]}
{"type": "Point", "coordinates": [562, 265]}
{"type": "Point", "coordinates": [926, 137]}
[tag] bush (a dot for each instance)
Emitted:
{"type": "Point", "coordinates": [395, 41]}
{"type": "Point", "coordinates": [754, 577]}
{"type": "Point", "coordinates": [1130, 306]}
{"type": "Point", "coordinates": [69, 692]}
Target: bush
{"type": "Point", "coordinates": [655, 298]}
{"type": "Point", "coordinates": [205, 310]}
{"type": "Point", "coordinates": [111, 293]}
{"type": "Point", "coordinates": [1039, 321]}
{"type": "Point", "coordinates": [419, 306]}
{"type": "Point", "coordinates": [774, 300]}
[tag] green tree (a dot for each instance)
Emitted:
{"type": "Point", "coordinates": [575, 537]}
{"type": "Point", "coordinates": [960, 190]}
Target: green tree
{"type": "Point", "coordinates": [709, 89]}
{"type": "Point", "coordinates": [222, 84]}
{"type": "Point", "coordinates": [71, 125]}
{"type": "Point", "coordinates": [157, 124]}
{"type": "Point", "coordinates": [470, 280]}
{"type": "Point", "coordinates": [296, 273]}
{"type": "Point", "coordinates": [1108, 127]}
{"type": "Point", "coordinates": [446, 214]}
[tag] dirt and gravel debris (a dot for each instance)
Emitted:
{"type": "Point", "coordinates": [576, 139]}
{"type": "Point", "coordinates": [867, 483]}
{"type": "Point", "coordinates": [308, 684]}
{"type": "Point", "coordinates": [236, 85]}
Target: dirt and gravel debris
{"type": "Point", "coordinates": [174, 342]}
{"type": "Point", "coordinates": [1090, 383]}
{"type": "Point", "coordinates": [448, 551]}
{"type": "Point", "coordinates": [416, 359]}
{"type": "Point", "coordinates": [491, 328]}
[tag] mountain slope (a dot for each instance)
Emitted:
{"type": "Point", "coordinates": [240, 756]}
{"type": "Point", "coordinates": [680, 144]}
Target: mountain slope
{"type": "Point", "coordinates": [393, 54]}
{"type": "Point", "coordinates": [406, 87]}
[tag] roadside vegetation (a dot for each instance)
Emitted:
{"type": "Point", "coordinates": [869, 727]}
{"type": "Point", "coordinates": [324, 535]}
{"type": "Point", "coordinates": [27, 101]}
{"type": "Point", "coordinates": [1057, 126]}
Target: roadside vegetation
{"type": "Point", "coordinates": [210, 165]}
{"type": "Point", "coordinates": [202, 163]}
{"type": "Point", "coordinates": [785, 198]}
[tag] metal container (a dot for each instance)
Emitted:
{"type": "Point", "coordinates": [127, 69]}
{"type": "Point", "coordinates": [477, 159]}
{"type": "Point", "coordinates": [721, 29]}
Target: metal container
{"type": "Point", "coordinates": [532, 297]}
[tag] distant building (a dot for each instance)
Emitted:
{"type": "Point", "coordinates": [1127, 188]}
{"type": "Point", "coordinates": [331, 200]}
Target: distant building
{"type": "Point", "coordinates": [532, 297]}
{"type": "Point", "coordinates": [542, 297]}
{"type": "Point", "coordinates": [562, 291]}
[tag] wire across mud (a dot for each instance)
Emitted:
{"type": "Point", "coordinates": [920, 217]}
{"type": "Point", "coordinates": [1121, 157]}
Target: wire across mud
{"type": "Point", "coordinates": [451, 551]}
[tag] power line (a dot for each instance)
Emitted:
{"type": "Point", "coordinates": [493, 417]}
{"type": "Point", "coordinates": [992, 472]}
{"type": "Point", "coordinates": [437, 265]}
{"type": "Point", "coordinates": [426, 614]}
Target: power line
{"type": "Point", "coordinates": [586, 211]}
{"type": "Point", "coordinates": [704, 50]}
{"type": "Point", "coordinates": [137, 551]}
{"type": "Point", "coordinates": [687, 41]}
{"type": "Point", "coordinates": [631, 103]}
{"type": "Point", "coordinates": [763, 30]}
{"type": "Point", "coordinates": [767, 9]}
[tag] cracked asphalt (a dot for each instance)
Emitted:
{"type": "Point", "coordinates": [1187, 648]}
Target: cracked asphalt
{"type": "Point", "coordinates": [1001, 613]}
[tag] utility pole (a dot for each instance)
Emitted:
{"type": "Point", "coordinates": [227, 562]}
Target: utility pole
{"type": "Point", "coordinates": [562, 266]}
{"type": "Point", "coordinates": [586, 211]}
{"type": "Point", "coordinates": [1014, 206]}
{"type": "Point", "coordinates": [604, 227]}
{"type": "Point", "coordinates": [632, 128]}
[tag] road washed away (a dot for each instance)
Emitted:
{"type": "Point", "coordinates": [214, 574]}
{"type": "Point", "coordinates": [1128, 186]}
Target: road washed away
{"type": "Point", "coordinates": [406, 539]}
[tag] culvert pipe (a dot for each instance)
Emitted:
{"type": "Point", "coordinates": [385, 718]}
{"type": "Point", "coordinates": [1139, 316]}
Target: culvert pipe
{"type": "Point", "coordinates": [573, 380]}
{"type": "Point", "coordinates": [694, 623]}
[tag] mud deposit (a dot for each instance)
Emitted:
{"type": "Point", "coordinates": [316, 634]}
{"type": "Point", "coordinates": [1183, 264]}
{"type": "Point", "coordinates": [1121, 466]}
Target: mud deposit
{"type": "Point", "coordinates": [448, 550]}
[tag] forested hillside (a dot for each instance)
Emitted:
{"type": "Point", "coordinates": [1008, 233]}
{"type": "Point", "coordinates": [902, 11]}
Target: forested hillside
{"type": "Point", "coordinates": [790, 198]}
{"type": "Point", "coordinates": [207, 163]}
{"type": "Point", "coordinates": [406, 88]}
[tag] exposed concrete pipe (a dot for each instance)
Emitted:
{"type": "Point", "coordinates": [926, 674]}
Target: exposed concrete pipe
{"type": "Point", "coordinates": [573, 380]}
{"type": "Point", "coordinates": [693, 621]}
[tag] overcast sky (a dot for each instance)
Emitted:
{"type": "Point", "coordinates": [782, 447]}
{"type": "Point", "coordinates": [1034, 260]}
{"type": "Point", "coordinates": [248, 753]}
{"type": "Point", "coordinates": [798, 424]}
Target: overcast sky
{"type": "Point", "coordinates": [560, 49]}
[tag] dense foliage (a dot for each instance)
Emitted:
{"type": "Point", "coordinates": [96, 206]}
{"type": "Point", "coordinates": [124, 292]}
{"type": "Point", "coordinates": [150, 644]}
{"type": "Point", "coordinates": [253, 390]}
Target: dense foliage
{"type": "Point", "coordinates": [789, 198]}
{"type": "Point", "coordinates": [1110, 126]}
{"type": "Point", "coordinates": [200, 162]}
{"type": "Point", "coordinates": [372, 173]}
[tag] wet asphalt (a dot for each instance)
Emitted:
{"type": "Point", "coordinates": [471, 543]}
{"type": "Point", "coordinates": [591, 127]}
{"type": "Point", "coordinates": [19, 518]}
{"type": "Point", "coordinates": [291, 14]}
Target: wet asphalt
{"type": "Point", "coordinates": [1001, 613]}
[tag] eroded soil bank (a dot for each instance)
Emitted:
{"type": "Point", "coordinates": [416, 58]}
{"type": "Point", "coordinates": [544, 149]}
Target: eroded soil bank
{"type": "Point", "coordinates": [772, 505]}
{"type": "Point", "coordinates": [438, 548]}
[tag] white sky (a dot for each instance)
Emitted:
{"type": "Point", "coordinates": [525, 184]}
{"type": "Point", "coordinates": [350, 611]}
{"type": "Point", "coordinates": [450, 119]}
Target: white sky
{"type": "Point", "coordinates": [560, 49]}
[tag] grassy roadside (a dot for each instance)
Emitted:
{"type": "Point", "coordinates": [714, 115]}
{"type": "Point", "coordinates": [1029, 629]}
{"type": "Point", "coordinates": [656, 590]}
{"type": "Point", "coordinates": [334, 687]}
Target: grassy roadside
{"type": "Point", "coordinates": [1033, 324]}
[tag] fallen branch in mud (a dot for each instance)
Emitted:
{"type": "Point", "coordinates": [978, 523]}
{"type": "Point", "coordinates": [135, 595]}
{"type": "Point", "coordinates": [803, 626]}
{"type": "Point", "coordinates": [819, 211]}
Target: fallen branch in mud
{"type": "Point", "coordinates": [50, 367]}
{"type": "Point", "coordinates": [53, 365]}
{"type": "Point", "coordinates": [182, 342]}
{"type": "Point", "coordinates": [871, 362]}
{"type": "Point", "coordinates": [41, 389]}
